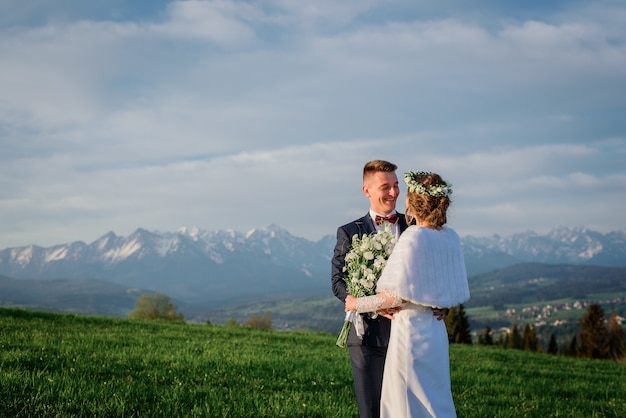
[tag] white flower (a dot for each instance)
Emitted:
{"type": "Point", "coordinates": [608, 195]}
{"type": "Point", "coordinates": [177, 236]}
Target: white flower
{"type": "Point", "coordinates": [366, 260]}
{"type": "Point", "coordinates": [414, 186]}
{"type": "Point", "coordinates": [379, 262]}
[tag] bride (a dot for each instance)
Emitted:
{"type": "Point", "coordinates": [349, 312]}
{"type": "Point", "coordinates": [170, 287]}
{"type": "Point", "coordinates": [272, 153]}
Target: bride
{"type": "Point", "coordinates": [425, 270]}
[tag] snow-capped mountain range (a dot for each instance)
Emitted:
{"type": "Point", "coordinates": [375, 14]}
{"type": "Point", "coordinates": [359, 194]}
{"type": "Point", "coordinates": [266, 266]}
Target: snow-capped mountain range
{"type": "Point", "coordinates": [561, 245]}
{"type": "Point", "coordinates": [194, 265]}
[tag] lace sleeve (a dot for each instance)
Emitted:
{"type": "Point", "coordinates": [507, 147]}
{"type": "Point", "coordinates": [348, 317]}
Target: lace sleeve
{"type": "Point", "coordinates": [376, 302]}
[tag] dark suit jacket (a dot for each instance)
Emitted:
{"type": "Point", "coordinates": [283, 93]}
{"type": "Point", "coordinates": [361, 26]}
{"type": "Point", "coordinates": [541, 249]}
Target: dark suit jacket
{"type": "Point", "coordinates": [376, 330]}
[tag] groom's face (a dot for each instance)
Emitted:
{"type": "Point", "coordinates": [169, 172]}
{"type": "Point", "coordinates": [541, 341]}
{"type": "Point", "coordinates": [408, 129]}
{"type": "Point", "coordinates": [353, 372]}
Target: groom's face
{"type": "Point", "coordinates": [381, 188]}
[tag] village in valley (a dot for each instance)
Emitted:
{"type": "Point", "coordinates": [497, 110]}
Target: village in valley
{"type": "Point", "coordinates": [557, 314]}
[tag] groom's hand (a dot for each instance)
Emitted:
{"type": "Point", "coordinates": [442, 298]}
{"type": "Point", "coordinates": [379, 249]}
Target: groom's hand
{"type": "Point", "coordinates": [440, 313]}
{"type": "Point", "coordinates": [389, 313]}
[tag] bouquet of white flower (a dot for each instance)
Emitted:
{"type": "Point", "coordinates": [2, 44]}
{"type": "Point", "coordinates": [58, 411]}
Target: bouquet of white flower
{"type": "Point", "coordinates": [363, 266]}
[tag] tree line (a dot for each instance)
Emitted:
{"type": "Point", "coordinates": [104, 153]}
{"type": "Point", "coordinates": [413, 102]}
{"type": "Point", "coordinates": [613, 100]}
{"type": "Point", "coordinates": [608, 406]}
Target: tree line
{"type": "Point", "coordinates": [599, 337]}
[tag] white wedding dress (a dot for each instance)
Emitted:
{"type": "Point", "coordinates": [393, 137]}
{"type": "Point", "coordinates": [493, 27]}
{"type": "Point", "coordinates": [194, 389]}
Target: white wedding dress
{"type": "Point", "coordinates": [425, 270]}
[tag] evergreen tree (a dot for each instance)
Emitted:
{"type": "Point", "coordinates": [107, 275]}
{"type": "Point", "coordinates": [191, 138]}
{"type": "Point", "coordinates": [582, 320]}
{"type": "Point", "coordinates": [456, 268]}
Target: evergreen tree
{"type": "Point", "coordinates": [529, 338]}
{"type": "Point", "coordinates": [503, 339]}
{"type": "Point", "coordinates": [593, 340]}
{"type": "Point", "coordinates": [451, 323]}
{"type": "Point", "coordinates": [515, 340]}
{"type": "Point", "coordinates": [570, 350]}
{"type": "Point", "coordinates": [485, 337]}
{"type": "Point", "coordinates": [457, 325]}
{"type": "Point", "coordinates": [616, 338]}
{"type": "Point", "coordinates": [552, 346]}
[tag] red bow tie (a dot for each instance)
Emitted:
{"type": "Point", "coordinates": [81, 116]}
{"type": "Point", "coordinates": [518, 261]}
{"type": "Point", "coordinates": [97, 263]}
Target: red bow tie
{"type": "Point", "coordinates": [393, 218]}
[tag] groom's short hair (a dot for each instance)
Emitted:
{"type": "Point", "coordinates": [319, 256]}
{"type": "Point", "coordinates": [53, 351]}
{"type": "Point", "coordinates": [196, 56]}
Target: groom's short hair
{"type": "Point", "coordinates": [374, 166]}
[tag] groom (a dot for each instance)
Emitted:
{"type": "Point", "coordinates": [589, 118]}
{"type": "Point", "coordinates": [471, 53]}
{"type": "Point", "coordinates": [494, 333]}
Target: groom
{"type": "Point", "coordinates": [367, 353]}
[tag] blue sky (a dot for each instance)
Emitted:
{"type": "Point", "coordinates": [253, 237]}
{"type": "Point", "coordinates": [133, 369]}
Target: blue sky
{"type": "Point", "coordinates": [116, 115]}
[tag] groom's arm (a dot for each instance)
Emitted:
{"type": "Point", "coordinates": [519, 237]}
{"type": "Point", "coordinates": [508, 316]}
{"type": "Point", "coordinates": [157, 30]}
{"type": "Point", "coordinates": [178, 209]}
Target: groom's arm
{"type": "Point", "coordinates": [344, 241]}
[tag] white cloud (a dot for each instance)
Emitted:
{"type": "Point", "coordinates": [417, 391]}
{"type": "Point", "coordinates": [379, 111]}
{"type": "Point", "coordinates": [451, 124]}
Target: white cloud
{"type": "Point", "coordinates": [311, 14]}
{"type": "Point", "coordinates": [241, 114]}
{"type": "Point", "coordinates": [222, 22]}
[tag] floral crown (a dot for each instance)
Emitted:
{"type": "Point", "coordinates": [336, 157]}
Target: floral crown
{"type": "Point", "coordinates": [438, 190]}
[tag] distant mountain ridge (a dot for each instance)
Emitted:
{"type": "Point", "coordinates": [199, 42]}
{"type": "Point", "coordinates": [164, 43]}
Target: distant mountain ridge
{"type": "Point", "coordinates": [190, 264]}
{"type": "Point", "coordinates": [222, 267]}
{"type": "Point", "coordinates": [561, 245]}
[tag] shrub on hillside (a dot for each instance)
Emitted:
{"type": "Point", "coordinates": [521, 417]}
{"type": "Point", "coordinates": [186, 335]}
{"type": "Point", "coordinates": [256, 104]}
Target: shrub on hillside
{"type": "Point", "coordinates": [157, 306]}
{"type": "Point", "coordinates": [260, 322]}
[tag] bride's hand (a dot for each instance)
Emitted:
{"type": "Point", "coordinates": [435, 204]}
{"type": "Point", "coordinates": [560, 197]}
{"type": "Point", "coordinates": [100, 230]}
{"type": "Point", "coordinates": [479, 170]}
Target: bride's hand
{"type": "Point", "coordinates": [350, 303]}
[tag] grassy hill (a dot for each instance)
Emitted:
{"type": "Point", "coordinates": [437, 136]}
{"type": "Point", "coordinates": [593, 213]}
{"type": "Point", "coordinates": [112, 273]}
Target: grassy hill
{"type": "Point", "coordinates": [54, 365]}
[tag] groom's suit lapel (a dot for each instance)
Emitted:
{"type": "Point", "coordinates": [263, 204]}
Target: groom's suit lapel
{"type": "Point", "coordinates": [402, 223]}
{"type": "Point", "coordinates": [366, 225]}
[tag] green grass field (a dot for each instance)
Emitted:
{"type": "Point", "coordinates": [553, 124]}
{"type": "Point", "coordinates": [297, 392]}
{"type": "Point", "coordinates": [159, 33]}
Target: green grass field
{"type": "Point", "coordinates": [65, 365]}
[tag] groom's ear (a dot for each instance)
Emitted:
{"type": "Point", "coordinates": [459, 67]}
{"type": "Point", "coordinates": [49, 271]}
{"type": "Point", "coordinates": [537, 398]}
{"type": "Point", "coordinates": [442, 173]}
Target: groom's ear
{"type": "Point", "coordinates": [366, 190]}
